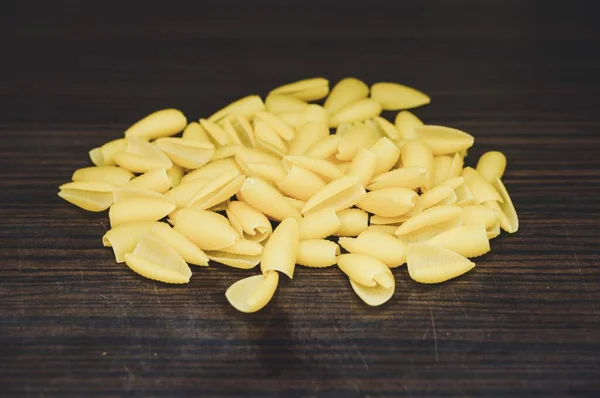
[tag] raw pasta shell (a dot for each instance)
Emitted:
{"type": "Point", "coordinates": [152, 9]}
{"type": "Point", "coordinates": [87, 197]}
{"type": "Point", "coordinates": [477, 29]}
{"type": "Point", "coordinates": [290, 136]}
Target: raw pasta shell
{"type": "Point", "coordinates": [213, 170]}
{"type": "Point", "coordinates": [364, 269]}
{"type": "Point", "coordinates": [124, 193]}
{"type": "Point", "coordinates": [318, 225]}
{"type": "Point", "coordinates": [216, 133]}
{"type": "Point", "coordinates": [493, 231]}
{"type": "Point", "coordinates": [384, 247]}
{"type": "Point", "coordinates": [267, 138]}
{"type": "Point", "coordinates": [356, 137]}
{"type": "Point", "coordinates": [308, 135]}
{"type": "Point", "coordinates": [426, 233]}
{"type": "Point", "coordinates": [468, 241]}
{"type": "Point", "coordinates": [244, 130]}
{"type": "Point", "coordinates": [155, 180]}
{"type": "Point", "coordinates": [300, 183]}
{"type": "Point", "coordinates": [354, 221]}
{"type": "Point", "coordinates": [389, 202]}
{"type": "Point", "coordinates": [406, 177]}
{"type": "Point", "coordinates": [313, 113]}
{"type": "Point", "coordinates": [161, 123]}
{"type": "Point", "coordinates": [297, 203]}
{"type": "Point", "coordinates": [478, 214]}
{"type": "Point", "coordinates": [415, 153]}
{"type": "Point", "coordinates": [491, 165]}
{"type": "Point", "coordinates": [207, 229]}
{"type": "Point", "coordinates": [387, 155]}
{"type": "Point", "coordinates": [312, 89]}
{"type": "Point", "coordinates": [232, 135]}
{"type": "Point", "coordinates": [195, 132]}
{"type": "Point", "coordinates": [274, 123]}
{"type": "Point", "coordinates": [510, 221]}
{"type": "Point", "coordinates": [406, 123]}
{"type": "Point", "coordinates": [345, 92]}
{"type": "Point", "coordinates": [384, 229]}
{"type": "Point", "coordinates": [180, 243]}
{"type": "Point", "coordinates": [325, 148]}
{"type": "Point", "coordinates": [394, 96]}
{"type": "Point", "coordinates": [246, 107]}
{"type": "Point", "coordinates": [248, 222]}
{"type": "Point", "coordinates": [280, 250]}
{"type": "Point", "coordinates": [481, 188]}
{"type": "Point", "coordinates": [363, 166]}
{"type": "Point", "coordinates": [253, 293]}
{"type": "Point", "coordinates": [317, 253]}
{"type": "Point", "coordinates": [276, 104]}
{"type": "Point", "coordinates": [386, 128]}
{"type": "Point", "coordinates": [224, 152]}
{"type": "Point", "coordinates": [357, 111]}
{"type": "Point", "coordinates": [432, 264]}
{"type": "Point", "coordinates": [444, 140]}
{"type": "Point", "coordinates": [337, 195]}
{"type": "Point", "coordinates": [441, 169]}
{"type": "Point", "coordinates": [182, 194]}
{"type": "Point", "coordinates": [373, 296]}
{"type": "Point", "coordinates": [266, 199]}
{"type": "Point", "coordinates": [432, 216]}
{"type": "Point", "coordinates": [292, 119]}
{"type": "Point", "coordinates": [105, 155]}
{"type": "Point", "coordinates": [456, 166]}
{"type": "Point", "coordinates": [124, 238]}
{"type": "Point", "coordinates": [186, 153]}
{"type": "Point", "coordinates": [244, 247]}
{"type": "Point", "coordinates": [239, 261]}
{"type": "Point", "coordinates": [112, 175]}
{"type": "Point", "coordinates": [139, 209]}
{"type": "Point", "coordinates": [89, 195]}
{"type": "Point", "coordinates": [442, 194]}
{"type": "Point", "coordinates": [175, 174]}
{"type": "Point", "coordinates": [326, 170]}
{"type": "Point", "coordinates": [140, 156]}
{"type": "Point", "coordinates": [217, 191]}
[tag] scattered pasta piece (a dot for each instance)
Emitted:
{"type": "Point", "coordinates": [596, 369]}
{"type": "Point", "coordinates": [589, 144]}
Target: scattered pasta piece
{"type": "Point", "coordinates": [164, 123]}
{"type": "Point", "coordinates": [186, 153]}
{"type": "Point", "coordinates": [432, 264]}
{"type": "Point", "coordinates": [317, 253]}
{"type": "Point", "coordinates": [373, 295]}
{"type": "Point", "coordinates": [139, 209]}
{"type": "Point", "coordinates": [247, 106]}
{"type": "Point", "coordinates": [124, 238]}
{"type": "Point", "coordinates": [358, 111]}
{"type": "Point", "coordinates": [491, 165]}
{"type": "Point", "coordinates": [307, 89]}
{"type": "Point", "coordinates": [379, 245]}
{"type": "Point", "coordinates": [406, 123]}
{"type": "Point", "coordinates": [155, 180]}
{"type": "Point", "coordinates": [112, 175]}
{"type": "Point", "coordinates": [89, 195]}
{"type": "Point", "coordinates": [338, 195]}
{"type": "Point", "coordinates": [207, 229]}
{"type": "Point", "coordinates": [253, 293]}
{"type": "Point", "coordinates": [178, 241]}
{"type": "Point", "coordinates": [280, 251]}
{"type": "Point", "coordinates": [353, 222]}
{"type": "Point", "coordinates": [394, 96]}
{"type": "Point", "coordinates": [248, 222]}
{"type": "Point", "coordinates": [367, 271]}
{"type": "Point", "coordinates": [389, 202]}
{"type": "Point", "coordinates": [468, 241]}
{"type": "Point", "coordinates": [345, 92]}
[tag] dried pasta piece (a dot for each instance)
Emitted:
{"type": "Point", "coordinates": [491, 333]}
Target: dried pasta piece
{"type": "Point", "coordinates": [247, 107]}
{"type": "Point", "coordinates": [415, 153]}
{"type": "Point", "coordinates": [248, 155]}
{"type": "Point", "coordinates": [89, 195]}
{"type": "Point", "coordinates": [478, 214]}
{"type": "Point", "coordinates": [510, 221]}
{"type": "Point", "coordinates": [357, 111]}
{"type": "Point", "coordinates": [139, 209]}
{"type": "Point", "coordinates": [386, 128]}
{"type": "Point", "coordinates": [272, 172]}
{"type": "Point", "coordinates": [105, 155]}
{"type": "Point", "coordinates": [338, 195]}
{"type": "Point", "coordinates": [140, 156]}
{"type": "Point", "coordinates": [239, 261]}
{"type": "Point", "coordinates": [216, 132]}
{"type": "Point", "coordinates": [300, 183]}
{"type": "Point", "coordinates": [267, 138]}
{"type": "Point", "coordinates": [248, 222]}
{"type": "Point", "coordinates": [221, 206]}
{"type": "Point", "coordinates": [297, 203]}
{"type": "Point", "coordinates": [406, 122]}
{"type": "Point", "coordinates": [163, 123]}
{"type": "Point", "coordinates": [307, 90]}
{"type": "Point", "coordinates": [224, 152]}
{"type": "Point", "coordinates": [232, 136]}
{"type": "Point", "coordinates": [195, 132]}
{"type": "Point", "coordinates": [363, 166]}
{"type": "Point", "coordinates": [175, 174]}
{"type": "Point", "coordinates": [276, 104]}
{"type": "Point", "coordinates": [493, 231]}
{"type": "Point", "coordinates": [155, 180]}
{"type": "Point", "coordinates": [244, 130]}
{"type": "Point", "coordinates": [218, 190]}
{"type": "Point", "coordinates": [180, 243]}
{"type": "Point", "coordinates": [373, 296]}
{"type": "Point", "coordinates": [313, 113]}
{"type": "Point", "coordinates": [319, 225]}
{"type": "Point", "coordinates": [280, 250]}
{"type": "Point", "coordinates": [366, 270]}
{"type": "Point", "coordinates": [389, 202]}
{"type": "Point", "coordinates": [327, 170]}
{"type": "Point", "coordinates": [124, 238]}
{"type": "Point", "coordinates": [387, 155]}
{"type": "Point", "coordinates": [406, 177]}
{"type": "Point", "coordinates": [456, 166]}
{"type": "Point", "coordinates": [394, 96]}
{"type": "Point", "coordinates": [464, 196]}
{"type": "Point", "coordinates": [324, 148]}
{"type": "Point", "coordinates": [212, 170]}
{"type": "Point", "coordinates": [125, 193]}
{"type": "Point", "coordinates": [207, 229]}
{"type": "Point", "coordinates": [156, 260]}
{"type": "Point", "coordinates": [307, 136]}
{"type": "Point", "coordinates": [432, 264]}
{"type": "Point", "coordinates": [344, 167]}
{"type": "Point", "coordinates": [380, 220]}
{"type": "Point", "coordinates": [266, 199]}
{"type": "Point", "coordinates": [441, 169]}
{"type": "Point", "coordinates": [244, 247]}
{"type": "Point", "coordinates": [182, 194]}
{"type": "Point", "coordinates": [481, 188]}
{"type": "Point", "coordinates": [384, 247]}
{"type": "Point", "coordinates": [491, 165]}
{"type": "Point", "coordinates": [432, 216]}
{"type": "Point", "coordinates": [253, 293]}
{"type": "Point", "coordinates": [186, 153]}
{"type": "Point", "coordinates": [384, 229]}
{"type": "Point", "coordinates": [292, 119]}
{"type": "Point", "coordinates": [112, 175]}
{"type": "Point", "coordinates": [444, 140]}
{"type": "Point", "coordinates": [468, 240]}
{"type": "Point", "coordinates": [317, 253]}
{"type": "Point", "coordinates": [356, 137]}
{"type": "Point", "coordinates": [442, 194]}
{"type": "Point", "coordinates": [345, 92]}
{"type": "Point", "coordinates": [354, 221]}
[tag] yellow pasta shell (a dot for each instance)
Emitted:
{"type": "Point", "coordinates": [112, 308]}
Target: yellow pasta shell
{"type": "Point", "coordinates": [307, 90]}
{"type": "Point", "coordinates": [207, 229]}
{"type": "Point", "coordinates": [373, 296]}
{"type": "Point", "coordinates": [510, 221]}
{"type": "Point", "coordinates": [280, 250]}
{"type": "Point", "coordinates": [354, 221]}
{"type": "Point", "coordinates": [112, 175]}
{"type": "Point", "coordinates": [216, 133]}
{"type": "Point", "coordinates": [155, 180]}
{"type": "Point", "coordinates": [308, 135]}
{"type": "Point", "coordinates": [384, 247]}
{"type": "Point", "coordinates": [456, 166]}
{"type": "Point", "coordinates": [246, 107]}
{"type": "Point", "coordinates": [325, 148]}
{"type": "Point", "coordinates": [182, 194]}
{"type": "Point", "coordinates": [297, 203]}
{"type": "Point", "coordinates": [180, 243]}
{"type": "Point", "coordinates": [387, 155]}
{"type": "Point", "coordinates": [175, 174]}
{"type": "Point", "coordinates": [384, 229]}
{"type": "Point", "coordinates": [357, 111]}
{"type": "Point", "coordinates": [217, 191]}
{"type": "Point", "coordinates": [438, 195]}
{"type": "Point", "coordinates": [363, 269]}
{"type": "Point", "coordinates": [317, 253]}
{"type": "Point", "coordinates": [478, 214]}
{"type": "Point", "coordinates": [464, 196]}
{"type": "Point", "coordinates": [244, 247]}
{"type": "Point", "coordinates": [406, 177]}
{"type": "Point", "coordinates": [389, 202]}
{"type": "Point", "coordinates": [300, 183]}
{"type": "Point", "coordinates": [313, 113]}
{"type": "Point", "coordinates": [253, 293]}
{"type": "Point", "coordinates": [394, 96]}
{"type": "Point", "coordinates": [248, 222]}
{"type": "Point", "coordinates": [493, 231]}
{"type": "Point", "coordinates": [104, 155]}
{"type": "Point", "coordinates": [265, 135]}
{"type": "Point", "coordinates": [424, 234]}
{"type": "Point", "coordinates": [161, 123]}
{"type": "Point", "coordinates": [125, 193]}
{"type": "Point", "coordinates": [194, 132]}
{"type": "Point", "coordinates": [212, 170]}
{"type": "Point", "coordinates": [327, 170]}
{"type": "Point", "coordinates": [491, 165]}
{"type": "Point", "coordinates": [416, 154]}
{"type": "Point", "coordinates": [363, 166]}
{"type": "Point", "coordinates": [444, 140]}
{"type": "Point", "coordinates": [282, 129]}
{"type": "Point", "coordinates": [284, 103]}
{"type": "Point", "coordinates": [124, 238]}
{"type": "Point", "coordinates": [338, 195]}
{"type": "Point", "coordinates": [356, 137]}
{"type": "Point", "coordinates": [345, 92]}
{"type": "Point", "coordinates": [139, 209]}
{"type": "Point", "coordinates": [388, 129]}
{"type": "Point", "coordinates": [429, 217]}
{"type": "Point", "coordinates": [239, 261]}
{"type": "Point", "coordinates": [481, 188]}
{"type": "Point", "coordinates": [406, 123]}
{"type": "Point", "coordinates": [186, 153]}
{"type": "Point", "coordinates": [224, 152]}
{"type": "Point", "coordinates": [467, 240]}
{"type": "Point", "coordinates": [432, 264]}
{"type": "Point", "coordinates": [140, 156]}
{"type": "Point", "coordinates": [266, 199]}
{"type": "Point", "coordinates": [318, 225]}
{"type": "Point", "coordinates": [292, 119]}
{"type": "Point", "coordinates": [89, 195]}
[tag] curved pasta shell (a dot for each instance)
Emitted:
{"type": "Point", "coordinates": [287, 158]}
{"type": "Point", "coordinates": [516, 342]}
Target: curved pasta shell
{"type": "Point", "coordinates": [456, 166]}
{"type": "Point", "coordinates": [356, 137]}
{"type": "Point", "coordinates": [357, 111]}
{"type": "Point", "coordinates": [89, 195]}
{"type": "Point", "coordinates": [468, 241]}
{"type": "Point", "coordinates": [212, 170]}
{"type": "Point", "coordinates": [432, 216]}
{"type": "Point", "coordinates": [297, 203]}
{"type": "Point", "coordinates": [313, 113]}
{"type": "Point", "coordinates": [345, 92]}
{"type": "Point", "coordinates": [239, 261]}
{"type": "Point", "coordinates": [194, 132]}
{"type": "Point", "coordinates": [224, 152]}
{"type": "Point", "coordinates": [155, 180]}
{"type": "Point", "coordinates": [441, 169]}
{"type": "Point", "coordinates": [444, 140]}
{"type": "Point", "coordinates": [268, 138]}
{"type": "Point", "coordinates": [406, 177]}
{"type": "Point", "coordinates": [308, 135]}
{"type": "Point", "coordinates": [325, 169]}
{"type": "Point", "coordinates": [220, 206]}
{"type": "Point", "coordinates": [373, 296]}
{"type": "Point", "coordinates": [280, 250]}
{"type": "Point", "coordinates": [389, 202]}
{"type": "Point", "coordinates": [277, 125]}
{"type": "Point", "coordinates": [246, 106]}
{"type": "Point", "coordinates": [105, 155]}
{"type": "Point", "coordinates": [493, 231]}
{"type": "Point", "coordinates": [491, 165]}
{"type": "Point", "coordinates": [438, 195]}
{"type": "Point", "coordinates": [112, 175]}
{"type": "Point", "coordinates": [317, 253]}
{"type": "Point", "coordinates": [244, 130]}
{"type": "Point", "coordinates": [253, 293]}
{"type": "Point", "coordinates": [182, 194]}
{"type": "Point", "coordinates": [175, 174]}
{"type": "Point", "coordinates": [364, 269]}
{"type": "Point", "coordinates": [216, 133]}
{"type": "Point", "coordinates": [292, 119]}
{"type": "Point", "coordinates": [124, 238]}
{"type": "Point", "coordinates": [384, 229]}
{"type": "Point", "coordinates": [384, 247]}
{"type": "Point", "coordinates": [478, 214]}
{"type": "Point", "coordinates": [248, 222]}
{"type": "Point", "coordinates": [217, 191]}
{"type": "Point", "coordinates": [510, 221]}
{"type": "Point", "coordinates": [388, 129]}
{"type": "Point", "coordinates": [481, 188]}
{"type": "Point", "coordinates": [139, 209]}
{"type": "Point", "coordinates": [406, 123]}
{"type": "Point", "coordinates": [180, 243]}
{"type": "Point", "coordinates": [232, 135]}
{"type": "Point", "coordinates": [312, 89]}
{"type": "Point", "coordinates": [186, 153]}
{"type": "Point", "coordinates": [318, 225]}
{"type": "Point", "coordinates": [140, 156]}
{"type": "Point", "coordinates": [426, 233]}
{"type": "Point", "coordinates": [248, 155]}
{"type": "Point", "coordinates": [432, 264]}
{"type": "Point", "coordinates": [156, 260]}
{"type": "Point", "coordinates": [324, 148]}
{"type": "Point", "coordinates": [354, 221]}
{"type": "Point", "coordinates": [125, 193]}
{"type": "Point", "coordinates": [276, 104]}
{"type": "Point", "coordinates": [161, 123]}
{"type": "Point", "coordinates": [207, 229]}
{"type": "Point", "coordinates": [337, 195]}
{"type": "Point", "coordinates": [300, 183]}
{"type": "Point", "coordinates": [363, 166]}
{"type": "Point", "coordinates": [415, 153]}
{"type": "Point", "coordinates": [266, 199]}
{"type": "Point", "coordinates": [394, 96]}
{"type": "Point", "coordinates": [387, 155]}
{"type": "Point", "coordinates": [244, 247]}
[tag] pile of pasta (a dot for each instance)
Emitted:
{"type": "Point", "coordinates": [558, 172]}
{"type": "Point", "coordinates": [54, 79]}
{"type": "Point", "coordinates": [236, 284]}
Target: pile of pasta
{"type": "Point", "coordinates": [285, 182]}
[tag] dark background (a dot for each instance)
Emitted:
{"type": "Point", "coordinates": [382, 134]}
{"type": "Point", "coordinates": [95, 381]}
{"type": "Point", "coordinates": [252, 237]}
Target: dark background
{"type": "Point", "coordinates": [523, 77]}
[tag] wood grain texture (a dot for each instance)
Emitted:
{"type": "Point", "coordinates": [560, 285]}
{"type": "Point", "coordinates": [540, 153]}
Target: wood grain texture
{"type": "Point", "coordinates": [522, 76]}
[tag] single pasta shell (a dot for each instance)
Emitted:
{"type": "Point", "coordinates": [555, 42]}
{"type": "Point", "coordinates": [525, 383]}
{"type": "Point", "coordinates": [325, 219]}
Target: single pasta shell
{"type": "Point", "coordinates": [248, 155]}
{"type": "Point", "coordinates": [284, 103]}
{"type": "Point", "coordinates": [406, 123]}
{"type": "Point", "coordinates": [356, 137]}
{"type": "Point", "coordinates": [307, 90]}
{"type": "Point", "coordinates": [224, 152]}
{"type": "Point", "coordinates": [380, 220]}
{"type": "Point", "coordinates": [456, 166]}
{"type": "Point", "coordinates": [441, 169]}
{"type": "Point", "coordinates": [384, 247]}
{"type": "Point", "coordinates": [267, 138]}
{"type": "Point", "coordinates": [389, 202]}
{"type": "Point", "coordinates": [217, 191]}
{"type": "Point", "coordinates": [207, 229]}
{"type": "Point", "coordinates": [163, 123]}
{"type": "Point", "coordinates": [292, 119]}
{"type": "Point", "coordinates": [387, 155]}
{"type": "Point", "coordinates": [212, 170]}
{"type": "Point", "coordinates": [280, 250]}
{"type": "Point", "coordinates": [317, 253]}
{"type": "Point", "coordinates": [493, 231]}
{"type": "Point", "coordinates": [175, 174]}
{"type": "Point", "coordinates": [180, 243]}
{"type": "Point", "coordinates": [415, 153]}
{"type": "Point", "coordinates": [384, 229]}
{"type": "Point", "coordinates": [324, 148]}
{"type": "Point", "coordinates": [220, 206]}
{"type": "Point", "coordinates": [481, 188]}
{"type": "Point", "coordinates": [124, 238]}
{"type": "Point", "coordinates": [478, 214]}
{"type": "Point", "coordinates": [444, 140]}
{"type": "Point", "coordinates": [272, 172]}
{"type": "Point", "coordinates": [337, 195]}
{"type": "Point", "coordinates": [125, 193]}
{"type": "Point", "coordinates": [186, 153]}
{"type": "Point", "coordinates": [358, 111]}
{"type": "Point", "coordinates": [464, 196]}
{"type": "Point", "coordinates": [363, 166]}
{"type": "Point", "coordinates": [246, 107]}
{"type": "Point", "coordinates": [195, 132]}
{"type": "Point", "coordinates": [313, 113]}
{"type": "Point", "coordinates": [253, 293]}
{"type": "Point", "coordinates": [319, 225]}
{"type": "Point", "coordinates": [155, 180]}
{"type": "Point", "coordinates": [140, 156]}
{"type": "Point", "coordinates": [216, 132]}
{"type": "Point", "coordinates": [491, 165]}
{"type": "Point", "coordinates": [363, 269]}
{"type": "Point", "coordinates": [112, 175]}
{"type": "Point", "coordinates": [426, 233]}
{"type": "Point", "coordinates": [354, 221]}
{"type": "Point", "coordinates": [308, 135]}
{"type": "Point", "coordinates": [232, 135]}
{"type": "Point", "coordinates": [139, 209]}
{"type": "Point", "coordinates": [344, 167]}
{"type": "Point", "coordinates": [432, 264]}
{"type": "Point", "coordinates": [345, 92]}
{"type": "Point", "coordinates": [89, 195]}
{"type": "Point", "coordinates": [373, 296]}
{"type": "Point", "coordinates": [248, 222]}
{"type": "Point", "coordinates": [510, 221]}
{"type": "Point", "coordinates": [386, 128]}
{"type": "Point", "coordinates": [297, 203]}
{"type": "Point", "coordinates": [156, 260]}
{"type": "Point", "coordinates": [239, 261]}
{"type": "Point", "coordinates": [300, 183]}
{"type": "Point", "coordinates": [185, 192]}
{"type": "Point", "coordinates": [429, 217]}
{"type": "Point", "coordinates": [244, 130]}
{"type": "Point", "coordinates": [394, 96]}
{"type": "Point", "coordinates": [266, 199]}
{"type": "Point", "coordinates": [104, 155]}
{"type": "Point", "coordinates": [325, 169]}
{"type": "Point", "coordinates": [436, 196]}
{"type": "Point", "coordinates": [406, 177]}
{"type": "Point", "coordinates": [276, 124]}
{"type": "Point", "coordinates": [467, 240]}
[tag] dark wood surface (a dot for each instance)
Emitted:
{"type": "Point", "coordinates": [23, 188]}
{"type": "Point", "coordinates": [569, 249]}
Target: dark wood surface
{"type": "Point", "coordinates": [523, 77]}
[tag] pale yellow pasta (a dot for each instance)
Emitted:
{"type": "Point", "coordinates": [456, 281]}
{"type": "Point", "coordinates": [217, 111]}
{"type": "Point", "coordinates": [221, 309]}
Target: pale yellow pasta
{"type": "Point", "coordinates": [292, 119]}
{"type": "Point", "coordinates": [318, 225]}
{"type": "Point", "coordinates": [243, 130]}
{"type": "Point", "coordinates": [464, 196]}
{"type": "Point", "coordinates": [277, 125]}
{"type": "Point", "coordinates": [239, 261]}
{"type": "Point", "coordinates": [89, 195]}
{"type": "Point", "coordinates": [276, 104]}
{"type": "Point", "coordinates": [124, 238]}
{"type": "Point", "coordinates": [155, 180]}
{"type": "Point", "coordinates": [246, 107]}
{"type": "Point", "coordinates": [510, 221]}
{"type": "Point", "coordinates": [467, 240]}
{"type": "Point", "coordinates": [224, 152]}
{"type": "Point", "coordinates": [432, 216]}
{"type": "Point", "coordinates": [280, 250]}
{"type": "Point", "coordinates": [441, 169]}
{"type": "Point", "coordinates": [312, 89]}
{"type": "Point", "coordinates": [232, 136]}
{"type": "Point", "coordinates": [432, 264]}
{"type": "Point", "coordinates": [384, 247]}
{"type": "Point", "coordinates": [456, 166]}
{"type": "Point", "coordinates": [384, 229]}
{"type": "Point", "coordinates": [444, 140]}
{"type": "Point", "coordinates": [442, 194]}
{"type": "Point", "coordinates": [297, 203]}
{"type": "Point", "coordinates": [386, 128]}
{"type": "Point", "coordinates": [317, 253]}
{"type": "Point", "coordinates": [415, 153]}
{"type": "Point", "coordinates": [406, 122]}
{"type": "Point", "coordinates": [343, 128]}
{"type": "Point", "coordinates": [218, 190]}
{"type": "Point", "coordinates": [394, 96]}
{"type": "Point", "coordinates": [478, 214]}
{"type": "Point", "coordinates": [339, 194]}
{"type": "Point", "coordinates": [271, 172]}
{"type": "Point", "coordinates": [344, 167]}
{"type": "Point", "coordinates": [406, 177]}
{"type": "Point", "coordinates": [366, 270]}
{"type": "Point", "coordinates": [308, 135]}
{"type": "Point", "coordinates": [215, 132]}
{"type": "Point", "coordinates": [493, 231]}
{"type": "Point", "coordinates": [373, 295]}
{"type": "Point", "coordinates": [140, 156]}
{"type": "Point", "coordinates": [125, 193]}
{"type": "Point", "coordinates": [356, 137]}
{"type": "Point", "coordinates": [244, 247]}
{"type": "Point", "coordinates": [354, 221]}
{"type": "Point", "coordinates": [161, 123]}
{"type": "Point", "coordinates": [345, 92]}
{"type": "Point", "coordinates": [325, 169]}
{"type": "Point", "coordinates": [212, 170]}
{"type": "Point", "coordinates": [389, 202]}
{"type": "Point", "coordinates": [105, 155]}
{"type": "Point", "coordinates": [195, 132]}
{"type": "Point", "coordinates": [207, 229]}
{"type": "Point", "coordinates": [268, 140]}
{"type": "Point", "coordinates": [363, 166]}
{"type": "Point", "coordinates": [426, 233]}
{"type": "Point", "coordinates": [313, 113]}
{"type": "Point", "coordinates": [190, 252]}
{"type": "Point", "coordinates": [220, 206]}
{"type": "Point", "coordinates": [182, 194]}
{"type": "Point", "coordinates": [139, 209]}
{"type": "Point", "coordinates": [454, 182]}
{"type": "Point", "coordinates": [253, 293]}
{"type": "Point", "coordinates": [324, 148]}
{"type": "Point", "coordinates": [186, 153]}
{"type": "Point", "coordinates": [481, 188]}
{"type": "Point", "coordinates": [266, 199]}
{"type": "Point", "coordinates": [249, 223]}
{"type": "Point", "coordinates": [112, 175]}
{"type": "Point", "coordinates": [175, 174]}
{"type": "Point", "coordinates": [357, 111]}
{"type": "Point", "coordinates": [491, 165]}
{"type": "Point", "coordinates": [249, 155]}
{"type": "Point", "coordinates": [300, 183]}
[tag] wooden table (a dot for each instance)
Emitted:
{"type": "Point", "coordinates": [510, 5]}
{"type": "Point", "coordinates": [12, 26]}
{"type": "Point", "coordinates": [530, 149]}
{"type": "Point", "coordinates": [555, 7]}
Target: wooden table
{"type": "Point", "coordinates": [522, 77]}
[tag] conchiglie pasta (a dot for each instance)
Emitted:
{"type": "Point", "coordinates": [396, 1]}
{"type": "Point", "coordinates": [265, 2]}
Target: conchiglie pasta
{"type": "Point", "coordinates": [444, 140]}
{"type": "Point", "coordinates": [389, 202]}
{"type": "Point", "coordinates": [414, 153]}
{"type": "Point", "coordinates": [313, 113]}
{"type": "Point", "coordinates": [326, 170]}
{"type": "Point", "coordinates": [324, 148]}
{"type": "Point", "coordinates": [354, 221]}
{"type": "Point", "coordinates": [139, 209]}
{"type": "Point", "coordinates": [277, 125]}
{"type": "Point", "coordinates": [510, 221]}
{"type": "Point", "coordinates": [91, 196]}
{"type": "Point", "coordinates": [386, 128]}
{"type": "Point", "coordinates": [406, 122]}
{"type": "Point", "coordinates": [345, 92]}
{"type": "Point", "coordinates": [124, 238]}
{"type": "Point", "coordinates": [124, 193]}
{"type": "Point", "coordinates": [190, 252]}
{"type": "Point", "coordinates": [266, 199]}
{"type": "Point", "coordinates": [406, 177]}
{"type": "Point", "coordinates": [248, 222]}
{"type": "Point", "coordinates": [374, 295]}
{"type": "Point", "coordinates": [394, 96]}
{"type": "Point", "coordinates": [280, 251]}
{"type": "Point", "coordinates": [246, 106]}
{"type": "Point", "coordinates": [357, 111]}
{"type": "Point", "coordinates": [312, 89]}
{"type": "Point", "coordinates": [308, 135]}
{"type": "Point", "coordinates": [387, 155]}
{"type": "Point", "coordinates": [441, 169]}
{"type": "Point", "coordinates": [363, 166]}
{"type": "Point", "coordinates": [267, 139]}
{"type": "Point", "coordinates": [175, 174]}
{"type": "Point", "coordinates": [244, 247]}
{"type": "Point", "coordinates": [432, 264]}
{"type": "Point", "coordinates": [276, 104]}
{"type": "Point", "coordinates": [240, 261]}
{"type": "Point", "coordinates": [318, 225]}
{"type": "Point", "coordinates": [195, 132]}
{"type": "Point", "coordinates": [441, 194]}
{"type": "Point", "coordinates": [272, 172]}
{"type": "Point", "coordinates": [356, 137]}
{"type": "Point", "coordinates": [185, 192]}
{"type": "Point", "coordinates": [217, 191]}
{"type": "Point", "coordinates": [186, 153]}
{"type": "Point", "coordinates": [429, 217]}
{"type": "Point", "coordinates": [468, 241]}
{"type": "Point", "coordinates": [161, 123]}
{"type": "Point", "coordinates": [105, 155]}
{"type": "Point", "coordinates": [140, 156]}
{"type": "Point", "coordinates": [337, 195]}
{"type": "Point", "coordinates": [216, 133]}
{"type": "Point", "coordinates": [300, 183]}
{"type": "Point", "coordinates": [207, 229]}
{"type": "Point", "coordinates": [155, 180]}
{"type": "Point", "coordinates": [317, 253]}
{"type": "Point", "coordinates": [384, 247]}
{"type": "Point", "coordinates": [112, 175]}
{"type": "Point", "coordinates": [212, 170]}
{"type": "Point", "coordinates": [365, 270]}
{"type": "Point", "coordinates": [479, 186]}
{"type": "Point", "coordinates": [478, 214]}
{"type": "Point", "coordinates": [253, 293]}
{"type": "Point", "coordinates": [491, 165]}
{"type": "Point", "coordinates": [384, 229]}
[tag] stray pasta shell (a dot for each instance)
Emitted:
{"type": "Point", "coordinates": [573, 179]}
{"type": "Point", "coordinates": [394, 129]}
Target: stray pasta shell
{"type": "Point", "coordinates": [364, 269]}
{"type": "Point", "coordinates": [244, 130]}
{"type": "Point", "coordinates": [318, 225]}
{"type": "Point", "coordinates": [510, 221]}
{"type": "Point", "coordinates": [239, 261]}
{"type": "Point", "coordinates": [105, 155]}
{"type": "Point", "coordinates": [442, 194]}
{"type": "Point", "coordinates": [156, 260]}
{"type": "Point", "coordinates": [415, 153]}
{"type": "Point", "coordinates": [267, 138]}
{"type": "Point", "coordinates": [406, 123]}
{"type": "Point", "coordinates": [217, 191]}
{"type": "Point", "coordinates": [356, 137]}
{"type": "Point", "coordinates": [186, 153]}
{"type": "Point", "coordinates": [456, 166]}
{"type": "Point", "coordinates": [358, 111]}
{"type": "Point", "coordinates": [478, 214]}
{"type": "Point", "coordinates": [345, 92]}
{"type": "Point", "coordinates": [363, 166]}
{"type": "Point", "coordinates": [163, 123]}
{"type": "Point", "coordinates": [325, 148]}
{"type": "Point", "coordinates": [426, 233]}
{"type": "Point", "coordinates": [354, 221]}
{"type": "Point", "coordinates": [394, 96]}
{"type": "Point", "coordinates": [494, 230]}
{"type": "Point", "coordinates": [481, 188]}
{"type": "Point", "coordinates": [124, 238]}
{"type": "Point", "coordinates": [444, 140]}
{"type": "Point", "coordinates": [139, 209]}
{"type": "Point", "coordinates": [307, 90]}
{"type": "Point", "coordinates": [297, 203]}
{"type": "Point", "coordinates": [406, 177]}
{"type": "Point", "coordinates": [282, 129]}
{"type": "Point", "coordinates": [373, 296]}
{"type": "Point", "coordinates": [388, 129]}
{"type": "Point", "coordinates": [337, 195]}
{"type": "Point", "coordinates": [207, 229]}
{"type": "Point", "coordinates": [112, 175]}
{"type": "Point", "coordinates": [266, 199]}
{"type": "Point", "coordinates": [125, 193]}
{"type": "Point", "coordinates": [276, 104]}
{"type": "Point", "coordinates": [216, 133]}
{"type": "Point", "coordinates": [292, 119]}
{"type": "Point", "coordinates": [89, 195]}
{"type": "Point", "coordinates": [182, 194]}
{"type": "Point", "coordinates": [300, 183]}
{"type": "Point", "coordinates": [212, 170]}
{"type": "Point", "coordinates": [317, 253]}
{"type": "Point", "coordinates": [175, 174]}
{"type": "Point", "coordinates": [468, 240]}
{"type": "Point", "coordinates": [387, 155]}
{"type": "Point", "coordinates": [491, 165]}
{"type": "Point", "coordinates": [246, 107]}
{"type": "Point", "coordinates": [155, 180]}
{"type": "Point", "coordinates": [432, 264]}
{"type": "Point", "coordinates": [249, 223]}
{"type": "Point", "coordinates": [180, 243]}
{"type": "Point", "coordinates": [432, 216]}
{"type": "Point", "coordinates": [140, 156]}
{"type": "Point", "coordinates": [253, 293]}
{"type": "Point", "coordinates": [269, 171]}
{"type": "Point", "coordinates": [195, 132]}
{"type": "Point", "coordinates": [389, 202]}
{"type": "Point", "coordinates": [325, 169]}
{"type": "Point", "coordinates": [313, 113]}
{"type": "Point", "coordinates": [280, 250]}
{"type": "Point", "coordinates": [384, 247]}
{"type": "Point", "coordinates": [308, 135]}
